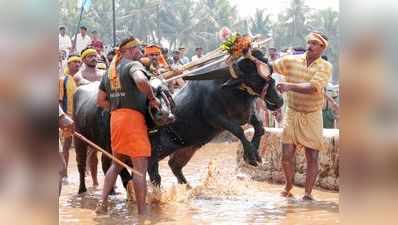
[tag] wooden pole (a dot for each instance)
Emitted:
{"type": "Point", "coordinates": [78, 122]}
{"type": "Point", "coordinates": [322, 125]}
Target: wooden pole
{"type": "Point", "coordinates": [208, 58]}
{"type": "Point", "coordinates": [81, 137]}
{"type": "Point", "coordinates": [114, 22]}
{"type": "Point", "coordinates": [78, 26]}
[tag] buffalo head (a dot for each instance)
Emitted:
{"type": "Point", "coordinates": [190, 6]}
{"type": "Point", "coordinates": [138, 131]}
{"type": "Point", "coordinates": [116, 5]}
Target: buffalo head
{"type": "Point", "coordinates": [165, 114]}
{"type": "Point", "coordinates": [243, 73]}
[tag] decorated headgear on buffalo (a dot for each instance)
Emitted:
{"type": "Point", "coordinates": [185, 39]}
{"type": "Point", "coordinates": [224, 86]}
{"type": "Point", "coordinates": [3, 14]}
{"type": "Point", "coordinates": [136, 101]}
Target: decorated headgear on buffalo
{"type": "Point", "coordinates": [87, 52]}
{"type": "Point", "coordinates": [319, 37]}
{"type": "Point", "coordinates": [130, 42]}
{"type": "Point", "coordinates": [236, 45]}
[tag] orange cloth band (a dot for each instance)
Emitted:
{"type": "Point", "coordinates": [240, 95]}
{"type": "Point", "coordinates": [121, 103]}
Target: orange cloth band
{"type": "Point", "coordinates": [129, 133]}
{"type": "Point", "coordinates": [154, 49]}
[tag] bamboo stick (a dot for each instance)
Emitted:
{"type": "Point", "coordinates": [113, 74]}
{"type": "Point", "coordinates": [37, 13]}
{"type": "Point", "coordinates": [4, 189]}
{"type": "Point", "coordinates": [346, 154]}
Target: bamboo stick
{"type": "Point", "coordinates": [81, 137]}
{"type": "Point", "coordinates": [213, 55]}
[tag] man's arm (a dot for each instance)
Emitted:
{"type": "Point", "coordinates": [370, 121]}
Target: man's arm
{"type": "Point", "coordinates": [64, 121]}
{"type": "Point", "coordinates": [316, 84]}
{"type": "Point", "coordinates": [304, 88]}
{"type": "Point", "coordinates": [143, 86]}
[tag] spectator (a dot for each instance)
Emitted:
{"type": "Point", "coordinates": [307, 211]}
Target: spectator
{"type": "Point", "coordinates": [177, 58]}
{"type": "Point", "coordinates": [82, 40]}
{"type": "Point", "coordinates": [178, 83]}
{"type": "Point", "coordinates": [198, 53]}
{"type": "Point", "coordinates": [64, 42]}
{"type": "Point", "coordinates": [273, 53]}
{"type": "Point", "coordinates": [96, 42]}
{"type": "Point", "coordinates": [183, 58]}
{"type": "Point", "coordinates": [168, 58]}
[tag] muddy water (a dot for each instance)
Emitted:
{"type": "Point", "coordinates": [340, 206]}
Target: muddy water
{"type": "Point", "coordinates": [220, 194]}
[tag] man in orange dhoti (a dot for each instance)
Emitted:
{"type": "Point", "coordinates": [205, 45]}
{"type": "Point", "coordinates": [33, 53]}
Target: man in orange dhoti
{"type": "Point", "coordinates": [125, 90]}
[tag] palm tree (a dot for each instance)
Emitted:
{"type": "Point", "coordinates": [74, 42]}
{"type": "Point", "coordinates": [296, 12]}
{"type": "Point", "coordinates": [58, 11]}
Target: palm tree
{"type": "Point", "coordinates": [260, 23]}
{"type": "Point", "coordinates": [291, 29]}
{"type": "Point", "coordinates": [296, 15]}
{"type": "Point", "coordinates": [138, 18]}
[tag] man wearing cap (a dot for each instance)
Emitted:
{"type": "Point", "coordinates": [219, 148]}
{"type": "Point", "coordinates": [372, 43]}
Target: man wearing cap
{"type": "Point", "coordinates": [90, 71]}
{"type": "Point", "coordinates": [82, 40]}
{"type": "Point", "coordinates": [306, 75]}
{"type": "Point", "coordinates": [67, 87]}
{"type": "Point", "coordinates": [126, 92]}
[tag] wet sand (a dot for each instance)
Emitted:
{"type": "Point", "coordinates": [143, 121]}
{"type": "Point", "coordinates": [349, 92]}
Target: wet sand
{"type": "Point", "coordinates": [220, 194]}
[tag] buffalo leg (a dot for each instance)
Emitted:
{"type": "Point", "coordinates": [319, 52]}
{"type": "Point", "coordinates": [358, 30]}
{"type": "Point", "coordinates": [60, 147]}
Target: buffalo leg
{"type": "Point", "coordinates": [153, 164]}
{"type": "Point", "coordinates": [178, 160]}
{"type": "Point", "coordinates": [153, 171]}
{"type": "Point", "coordinates": [81, 158]}
{"type": "Point", "coordinates": [250, 153]}
{"type": "Point", "coordinates": [258, 133]}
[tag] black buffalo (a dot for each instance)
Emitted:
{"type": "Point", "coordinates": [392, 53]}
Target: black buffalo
{"type": "Point", "coordinates": [209, 104]}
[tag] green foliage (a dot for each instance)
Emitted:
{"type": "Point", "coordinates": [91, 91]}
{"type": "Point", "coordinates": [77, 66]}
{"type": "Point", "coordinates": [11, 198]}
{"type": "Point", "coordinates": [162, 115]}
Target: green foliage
{"type": "Point", "coordinates": [260, 23]}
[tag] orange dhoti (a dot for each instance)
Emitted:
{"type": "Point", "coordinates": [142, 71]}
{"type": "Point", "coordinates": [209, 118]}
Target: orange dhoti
{"type": "Point", "coordinates": [129, 133]}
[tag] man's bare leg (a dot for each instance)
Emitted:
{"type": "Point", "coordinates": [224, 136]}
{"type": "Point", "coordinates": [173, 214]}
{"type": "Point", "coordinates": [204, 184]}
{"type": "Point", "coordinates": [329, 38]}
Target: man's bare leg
{"type": "Point", "coordinates": [140, 188]}
{"type": "Point", "coordinates": [65, 150]}
{"type": "Point", "coordinates": [312, 156]}
{"type": "Point", "coordinates": [110, 180]}
{"type": "Point", "coordinates": [288, 153]}
{"type": "Point", "coordinates": [61, 172]}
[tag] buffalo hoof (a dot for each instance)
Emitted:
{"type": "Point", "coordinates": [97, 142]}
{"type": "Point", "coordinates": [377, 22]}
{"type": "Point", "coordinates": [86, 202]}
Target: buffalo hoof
{"type": "Point", "coordinates": [250, 159]}
{"type": "Point", "coordinates": [82, 190]}
{"type": "Point", "coordinates": [156, 182]}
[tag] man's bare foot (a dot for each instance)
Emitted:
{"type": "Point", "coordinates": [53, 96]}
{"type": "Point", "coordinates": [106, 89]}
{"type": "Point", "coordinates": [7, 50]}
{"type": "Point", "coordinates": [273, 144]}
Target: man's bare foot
{"type": "Point", "coordinates": [308, 198]}
{"type": "Point", "coordinates": [102, 207]}
{"type": "Point", "coordinates": [286, 194]}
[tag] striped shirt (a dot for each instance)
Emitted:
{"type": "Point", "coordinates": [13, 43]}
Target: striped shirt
{"type": "Point", "coordinates": [294, 67]}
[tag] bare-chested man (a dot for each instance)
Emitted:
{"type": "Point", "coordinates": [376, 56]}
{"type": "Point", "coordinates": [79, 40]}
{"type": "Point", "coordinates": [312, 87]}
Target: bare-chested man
{"type": "Point", "coordinates": [90, 71]}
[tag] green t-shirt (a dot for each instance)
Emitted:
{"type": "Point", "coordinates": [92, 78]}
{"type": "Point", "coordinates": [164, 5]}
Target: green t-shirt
{"type": "Point", "coordinates": [129, 96]}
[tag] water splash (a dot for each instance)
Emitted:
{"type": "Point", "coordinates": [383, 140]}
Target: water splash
{"type": "Point", "coordinates": [216, 183]}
